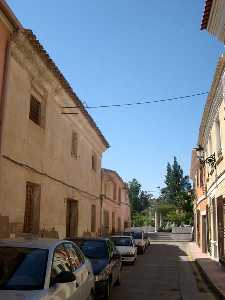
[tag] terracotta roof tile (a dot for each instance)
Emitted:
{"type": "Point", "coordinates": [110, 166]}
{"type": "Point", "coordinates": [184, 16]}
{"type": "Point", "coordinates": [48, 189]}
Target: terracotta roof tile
{"type": "Point", "coordinates": [206, 14]}
{"type": "Point", "coordinates": [52, 66]}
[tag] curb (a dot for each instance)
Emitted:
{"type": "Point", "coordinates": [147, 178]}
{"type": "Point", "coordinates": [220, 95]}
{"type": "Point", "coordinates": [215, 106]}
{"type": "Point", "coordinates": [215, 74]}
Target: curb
{"type": "Point", "coordinates": [209, 282]}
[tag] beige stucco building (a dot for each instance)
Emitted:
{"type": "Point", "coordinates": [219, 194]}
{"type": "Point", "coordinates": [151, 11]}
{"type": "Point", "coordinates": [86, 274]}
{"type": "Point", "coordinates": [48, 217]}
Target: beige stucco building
{"type": "Point", "coordinates": [115, 214]}
{"type": "Point", "coordinates": [50, 176]}
{"type": "Point", "coordinates": [213, 19]}
{"type": "Point", "coordinates": [210, 174]}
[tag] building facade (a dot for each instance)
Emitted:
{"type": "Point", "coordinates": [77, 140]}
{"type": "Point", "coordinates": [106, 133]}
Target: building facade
{"type": "Point", "coordinates": [115, 209]}
{"type": "Point", "coordinates": [8, 25]}
{"type": "Point", "coordinates": [50, 176]}
{"type": "Point", "coordinates": [213, 19]}
{"type": "Point", "coordinates": [208, 173]}
{"type": "Point", "coordinates": [197, 175]}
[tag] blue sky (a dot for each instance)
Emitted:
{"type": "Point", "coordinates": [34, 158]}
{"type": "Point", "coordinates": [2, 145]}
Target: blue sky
{"type": "Point", "coordinates": [123, 51]}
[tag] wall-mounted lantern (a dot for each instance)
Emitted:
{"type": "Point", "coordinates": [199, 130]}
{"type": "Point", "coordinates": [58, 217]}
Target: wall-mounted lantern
{"type": "Point", "coordinates": [210, 160]}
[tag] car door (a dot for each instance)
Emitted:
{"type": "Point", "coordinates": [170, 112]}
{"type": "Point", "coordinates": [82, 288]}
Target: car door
{"type": "Point", "coordinates": [61, 263]}
{"type": "Point", "coordinates": [115, 261]}
{"type": "Point", "coordinates": [79, 268]}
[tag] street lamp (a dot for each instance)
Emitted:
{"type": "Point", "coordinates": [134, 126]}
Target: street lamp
{"type": "Point", "coordinates": [210, 160]}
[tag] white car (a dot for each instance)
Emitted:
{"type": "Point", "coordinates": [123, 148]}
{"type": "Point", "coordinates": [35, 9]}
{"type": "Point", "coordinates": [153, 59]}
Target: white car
{"type": "Point", "coordinates": [126, 247]}
{"type": "Point", "coordinates": [44, 269]}
{"type": "Point", "coordinates": [139, 240]}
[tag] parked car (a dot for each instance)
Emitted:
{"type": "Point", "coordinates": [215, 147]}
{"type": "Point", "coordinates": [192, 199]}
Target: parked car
{"type": "Point", "coordinates": [106, 262]}
{"type": "Point", "coordinates": [126, 247]}
{"type": "Point", "coordinates": [44, 269]}
{"type": "Point", "coordinates": [138, 236]}
{"type": "Point", "coordinates": [147, 239]}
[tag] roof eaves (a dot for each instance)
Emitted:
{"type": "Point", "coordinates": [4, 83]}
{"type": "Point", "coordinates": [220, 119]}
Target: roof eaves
{"type": "Point", "coordinates": [114, 172]}
{"type": "Point", "coordinates": [10, 15]}
{"type": "Point", "coordinates": [52, 66]}
{"type": "Point", "coordinates": [206, 14]}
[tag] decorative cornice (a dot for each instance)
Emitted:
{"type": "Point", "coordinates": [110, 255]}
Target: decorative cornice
{"type": "Point", "coordinates": [213, 102]}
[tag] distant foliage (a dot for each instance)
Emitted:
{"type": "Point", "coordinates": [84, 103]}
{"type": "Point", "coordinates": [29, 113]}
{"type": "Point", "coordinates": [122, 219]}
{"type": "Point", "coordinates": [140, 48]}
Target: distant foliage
{"type": "Point", "coordinates": [140, 201]}
{"type": "Point", "coordinates": [178, 195]}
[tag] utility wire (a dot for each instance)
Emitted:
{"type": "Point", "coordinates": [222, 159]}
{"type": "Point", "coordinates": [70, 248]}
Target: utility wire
{"type": "Point", "coordinates": [138, 103]}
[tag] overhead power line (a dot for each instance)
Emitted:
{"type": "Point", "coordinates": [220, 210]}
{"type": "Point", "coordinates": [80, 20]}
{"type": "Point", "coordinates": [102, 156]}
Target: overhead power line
{"type": "Point", "coordinates": [138, 103]}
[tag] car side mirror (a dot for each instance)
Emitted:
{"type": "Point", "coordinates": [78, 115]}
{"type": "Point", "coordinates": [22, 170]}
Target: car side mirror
{"type": "Point", "coordinates": [64, 277]}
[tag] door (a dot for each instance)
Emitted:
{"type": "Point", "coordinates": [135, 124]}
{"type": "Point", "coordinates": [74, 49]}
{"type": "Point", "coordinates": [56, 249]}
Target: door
{"type": "Point", "coordinates": [32, 208]}
{"type": "Point", "coordinates": [106, 223]}
{"type": "Point", "coordinates": [198, 228]}
{"type": "Point", "coordinates": [72, 218]}
{"type": "Point", "coordinates": [204, 234]}
{"type": "Point", "coordinates": [220, 224]}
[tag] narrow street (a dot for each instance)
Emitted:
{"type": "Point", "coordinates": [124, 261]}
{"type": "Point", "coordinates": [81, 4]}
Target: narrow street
{"type": "Point", "coordinates": [163, 272]}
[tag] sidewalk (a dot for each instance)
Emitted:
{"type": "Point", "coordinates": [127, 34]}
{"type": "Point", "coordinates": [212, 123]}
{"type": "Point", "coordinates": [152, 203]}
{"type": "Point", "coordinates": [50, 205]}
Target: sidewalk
{"type": "Point", "coordinates": [211, 270]}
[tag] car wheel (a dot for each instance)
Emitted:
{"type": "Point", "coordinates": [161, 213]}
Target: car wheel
{"type": "Point", "coordinates": [133, 262]}
{"type": "Point", "coordinates": [107, 290]}
{"type": "Point", "coordinates": [118, 281]}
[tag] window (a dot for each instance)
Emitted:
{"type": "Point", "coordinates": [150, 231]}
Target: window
{"type": "Point", "coordinates": [74, 145]}
{"type": "Point", "coordinates": [35, 110]}
{"type": "Point", "coordinates": [22, 268]}
{"type": "Point", "coordinates": [119, 195]}
{"type": "Point", "coordinates": [201, 181]}
{"type": "Point", "coordinates": [218, 137]}
{"type": "Point", "coordinates": [32, 208]}
{"type": "Point", "coordinates": [114, 191]}
{"type": "Point", "coordinates": [113, 223]}
{"type": "Point", "coordinates": [119, 224]}
{"type": "Point", "coordinates": [74, 258]}
{"type": "Point", "coordinates": [94, 162]}
{"type": "Point", "coordinates": [60, 262]}
{"type": "Point", "coordinates": [105, 189]}
{"type": "Point", "coordinates": [93, 218]}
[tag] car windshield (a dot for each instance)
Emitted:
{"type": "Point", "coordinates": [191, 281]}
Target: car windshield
{"type": "Point", "coordinates": [137, 235]}
{"type": "Point", "coordinates": [122, 241]}
{"type": "Point", "coordinates": [22, 268]}
{"type": "Point", "coordinates": [93, 248]}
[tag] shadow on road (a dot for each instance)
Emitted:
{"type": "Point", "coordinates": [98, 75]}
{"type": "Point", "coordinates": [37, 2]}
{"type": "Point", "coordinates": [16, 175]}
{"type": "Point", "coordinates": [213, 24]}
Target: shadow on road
{"type": "Point", "coordinates": [163, 272]}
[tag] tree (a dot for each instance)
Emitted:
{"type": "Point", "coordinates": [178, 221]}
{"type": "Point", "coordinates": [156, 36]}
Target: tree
{"type": "Point", "coordinates": [140, 201]}
{"type": "Point", "coordinates": [134, 188]}
{"type": "Point", "coordinates": [176, 183]}
{"type": "Point", "coordinates": [178, 193]}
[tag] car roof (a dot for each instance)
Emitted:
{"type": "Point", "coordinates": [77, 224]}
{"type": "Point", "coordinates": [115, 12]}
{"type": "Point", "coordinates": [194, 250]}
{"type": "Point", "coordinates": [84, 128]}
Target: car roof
{"type": "Point", "coordinates": [89, 239]}
{"type": "Point", "coordinates": [41, 243]}
{"type": "Point", "coordinates": [121, 236]}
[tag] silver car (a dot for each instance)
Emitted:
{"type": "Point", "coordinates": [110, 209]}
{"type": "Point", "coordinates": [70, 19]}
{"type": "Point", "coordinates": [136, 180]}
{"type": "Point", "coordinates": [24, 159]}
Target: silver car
{"type": "Point", "coordinates": [44, 269]}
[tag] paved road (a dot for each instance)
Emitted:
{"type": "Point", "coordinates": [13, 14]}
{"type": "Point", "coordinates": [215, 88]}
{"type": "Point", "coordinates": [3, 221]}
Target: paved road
{"type": "Point", "coordinates": [164, 272]}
